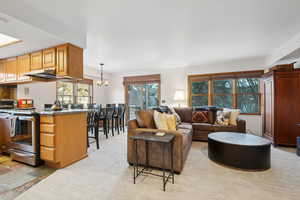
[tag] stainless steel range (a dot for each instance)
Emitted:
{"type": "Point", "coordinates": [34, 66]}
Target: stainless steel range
{"type": "Point", "coordinates": [23, 136]}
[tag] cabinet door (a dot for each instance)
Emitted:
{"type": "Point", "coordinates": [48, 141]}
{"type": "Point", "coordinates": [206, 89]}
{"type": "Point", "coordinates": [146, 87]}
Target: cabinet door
{"type": "Point", "coordinates": [49, 58]}
{"type": "Point", "coordinates": [11, 69]}
{"type": "Point", "coordinates": [268, 108]}
{"type": "Point", "coordinates": [36, 61]}
{"type": "Point", "coordinates": [2, 70]}
{"type": "Point", "coordinates": [61, 56]}
{"type": "Point", "coordinates": [287, 108]}
{"type": "Point", "coordinates": [23, 66]}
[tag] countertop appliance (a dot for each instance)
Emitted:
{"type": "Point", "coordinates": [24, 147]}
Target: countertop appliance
{"type": "Point", "coordinates": [25, 104]}
{"type": "Point", "coordinates": [23, 133]}
{"type": "Point", "coordinates": [7, 103]}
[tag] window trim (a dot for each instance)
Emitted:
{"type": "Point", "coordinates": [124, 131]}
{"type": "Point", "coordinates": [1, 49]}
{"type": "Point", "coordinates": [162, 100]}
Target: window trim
{"type": "Point", "coordinates": [224, 76]}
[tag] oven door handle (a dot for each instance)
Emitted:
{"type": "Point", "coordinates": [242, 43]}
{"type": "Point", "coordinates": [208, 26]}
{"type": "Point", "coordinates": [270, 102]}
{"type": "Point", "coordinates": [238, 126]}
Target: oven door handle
{"type": "Point", "coordinates": [26, 118]}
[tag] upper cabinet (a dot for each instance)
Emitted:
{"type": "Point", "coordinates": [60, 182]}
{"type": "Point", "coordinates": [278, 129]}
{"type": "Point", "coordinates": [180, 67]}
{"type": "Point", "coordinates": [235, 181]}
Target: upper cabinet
{"type": "Point", "coordinates": [2, 70]}
{"type": "Point", "coordinates": [49, 58]}
{"type": "Point", "coordinates": [61, 68]}
{"type": "Point", "coordinates": [69, 61]}
{"type": "Point", "coordinates": [66, 60]}
{"type": "Point", "coordinates": [11, 69]}
{"type": "Point", "coordinates": [23, 66]}
{"type": "Point", "coordinates": [36, 60]}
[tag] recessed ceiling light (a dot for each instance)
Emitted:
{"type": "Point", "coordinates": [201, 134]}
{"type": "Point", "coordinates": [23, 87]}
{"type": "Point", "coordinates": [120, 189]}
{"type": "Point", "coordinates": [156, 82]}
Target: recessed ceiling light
{"type": "Point", "coordinates": [6, 40]}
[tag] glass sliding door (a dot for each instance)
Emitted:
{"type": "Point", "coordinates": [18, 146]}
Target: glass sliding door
{"type": "Point", "coordinates": [142, 96]}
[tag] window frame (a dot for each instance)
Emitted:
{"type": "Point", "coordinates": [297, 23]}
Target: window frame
{"type": "Point", "coordinates": [233, 76]}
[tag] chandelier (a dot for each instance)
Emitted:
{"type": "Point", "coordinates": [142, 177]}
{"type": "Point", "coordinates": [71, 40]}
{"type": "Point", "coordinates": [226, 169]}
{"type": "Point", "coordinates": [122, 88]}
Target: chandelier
{"type": "Point", "coordinates": [102, 82]}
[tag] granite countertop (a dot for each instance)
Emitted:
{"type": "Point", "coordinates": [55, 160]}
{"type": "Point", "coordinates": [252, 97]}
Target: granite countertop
{"type": "Point", "coordinates": [42, 112]}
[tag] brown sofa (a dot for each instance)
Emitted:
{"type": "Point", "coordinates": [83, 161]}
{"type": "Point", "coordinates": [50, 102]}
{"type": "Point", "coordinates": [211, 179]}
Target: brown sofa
{"type": "Point", "coordinates": [182, 143]}
{"type": "Point", "coordinates": [201, 130]}
{"type": "Point", "coordinates": [185, 133]}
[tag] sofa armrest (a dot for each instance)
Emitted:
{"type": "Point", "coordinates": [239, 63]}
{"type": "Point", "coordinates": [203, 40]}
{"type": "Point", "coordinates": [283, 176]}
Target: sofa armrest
{"type": "Point", "coordinates": [132, 124]}
{"type": "Point", "coordinates": [241, 124]}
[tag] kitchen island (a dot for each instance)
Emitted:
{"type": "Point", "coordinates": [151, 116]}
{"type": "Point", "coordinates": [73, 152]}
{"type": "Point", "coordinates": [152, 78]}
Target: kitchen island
{"type": "Point", "coordinates": [63, 137]}
{"type": "Point", "coordinates": [57, 137]}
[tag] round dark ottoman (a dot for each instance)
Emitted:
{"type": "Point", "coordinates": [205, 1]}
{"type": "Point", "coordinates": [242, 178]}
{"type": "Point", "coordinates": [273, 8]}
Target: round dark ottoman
{"type": "Point", "coordinates": [240, 150]}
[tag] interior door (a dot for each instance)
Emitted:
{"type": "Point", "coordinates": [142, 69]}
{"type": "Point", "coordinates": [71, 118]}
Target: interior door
{"type": "Point", "coordinates": [142, 96]}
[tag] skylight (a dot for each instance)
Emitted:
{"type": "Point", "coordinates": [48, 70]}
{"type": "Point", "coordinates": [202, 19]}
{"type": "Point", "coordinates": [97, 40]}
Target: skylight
{"type": "Point", "coordinates": [6, 40]}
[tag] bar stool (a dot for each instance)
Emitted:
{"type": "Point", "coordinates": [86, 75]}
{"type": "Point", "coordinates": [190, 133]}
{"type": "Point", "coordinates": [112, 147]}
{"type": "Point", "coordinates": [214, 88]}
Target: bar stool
{"type": "Point", "coordinates": [122, 116]}
{"type": "Point", "coordinates": [110, 112]}
{"type": "Point", "coordinates": [103, 118]}
{"type": "Point", "coordinates": [92, 126]}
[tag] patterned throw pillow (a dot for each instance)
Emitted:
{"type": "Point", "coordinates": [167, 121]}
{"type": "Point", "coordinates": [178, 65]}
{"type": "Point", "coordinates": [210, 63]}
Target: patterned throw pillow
{"type": "Point", "coordinates": [200, 117]}
{"type": "Point", "coordinates": [223, 118]}
{"type": "Point", "coordinates": [178, 119]}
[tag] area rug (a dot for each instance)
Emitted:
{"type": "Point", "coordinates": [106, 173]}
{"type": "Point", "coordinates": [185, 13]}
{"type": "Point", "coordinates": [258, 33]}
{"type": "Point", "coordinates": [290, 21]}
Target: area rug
{"type": "Point", "coordinates": [106, 175]}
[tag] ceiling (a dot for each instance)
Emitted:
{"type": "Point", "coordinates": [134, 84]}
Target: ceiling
{"type": "Point", "coordinates": [129, 35]}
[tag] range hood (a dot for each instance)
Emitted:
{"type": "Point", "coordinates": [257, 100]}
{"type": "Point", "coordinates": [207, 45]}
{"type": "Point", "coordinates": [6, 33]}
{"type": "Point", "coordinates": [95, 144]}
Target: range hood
{"type": "Point", "coordinates": [43, 73]}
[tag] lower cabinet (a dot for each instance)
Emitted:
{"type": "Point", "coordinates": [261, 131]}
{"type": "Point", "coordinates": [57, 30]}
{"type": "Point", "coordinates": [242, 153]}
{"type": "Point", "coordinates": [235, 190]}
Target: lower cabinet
{"type": "Point", "coordinates": [63, 138]}
{"type": "Point", "coordinates": [48, 154]}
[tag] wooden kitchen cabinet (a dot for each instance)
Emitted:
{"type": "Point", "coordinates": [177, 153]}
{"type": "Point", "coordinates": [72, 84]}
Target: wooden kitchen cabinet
{"type": "Point", "coordinates": [65, 59]}
{"type": "Point", "coordinates": [36, 60]}
{"type": "Point", "coordinates": [2, 71]}
{"type": "Point", "coordinates": [23, 66]}
{"type": "Point", "coordinates": [63, 138]}
{"type": "Point", "coordinates": [11, 69]}
{"type": "Point", "coordinates": [69, 61]}
{"type": "Point", "coordinates": [49, 58]}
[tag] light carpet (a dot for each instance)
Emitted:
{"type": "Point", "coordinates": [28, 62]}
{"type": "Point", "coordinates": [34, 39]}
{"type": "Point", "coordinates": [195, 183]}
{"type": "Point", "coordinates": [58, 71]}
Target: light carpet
{"type": "Point", "coordinates": [105, 174]}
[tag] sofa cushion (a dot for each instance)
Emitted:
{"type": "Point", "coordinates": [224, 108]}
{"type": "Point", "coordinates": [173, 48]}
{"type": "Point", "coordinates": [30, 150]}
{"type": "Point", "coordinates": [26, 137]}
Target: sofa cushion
{"type": "Point", "coordinates": [185, 126]}
{"type": "Point", "coordinates": [230, 128]}
{"type": "Point", "coordinates": [145, 118]}
{"type": "Point", "coordinates": [203, 126]}
{"type": "Point", "coordinates": [185, 114]}
{"type": "Point", "coordinates": [200, 117]}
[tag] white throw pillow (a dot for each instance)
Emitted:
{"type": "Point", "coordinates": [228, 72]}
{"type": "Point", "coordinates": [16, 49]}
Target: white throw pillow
{"type": "Point", "coordinates": [233, 116]}
{"type": "Point", "coordinates": [159, 120]}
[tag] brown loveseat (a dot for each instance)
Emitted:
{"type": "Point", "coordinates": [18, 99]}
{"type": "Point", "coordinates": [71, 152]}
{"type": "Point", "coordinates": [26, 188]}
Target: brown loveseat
{"type": "Point", "coordinates": [201, 130]}
{"type": "Point", "coordinates": [145, 123]}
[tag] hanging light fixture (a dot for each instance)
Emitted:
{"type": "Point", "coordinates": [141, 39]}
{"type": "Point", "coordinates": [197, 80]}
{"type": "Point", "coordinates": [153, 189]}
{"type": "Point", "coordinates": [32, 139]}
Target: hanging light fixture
{"type": "Point", "coordinates": [102, 82]}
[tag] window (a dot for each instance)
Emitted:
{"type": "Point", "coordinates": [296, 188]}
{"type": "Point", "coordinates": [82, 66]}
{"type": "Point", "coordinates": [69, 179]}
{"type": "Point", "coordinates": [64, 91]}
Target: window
{"type": "Point", "coordinates": [65, 92]}
{"type": "Point", "coordinates": [227, 90]}
{"type": "Point", "coordinates": [200, 93]}
{"type": "Point", "coordinates": [248, 95]}
{"type": "Point", "coordinates": [74, 92]}
{"type": "Point", "coordinates": [83, 93]}
{"type": "Point", "coordinates": [222, 93]}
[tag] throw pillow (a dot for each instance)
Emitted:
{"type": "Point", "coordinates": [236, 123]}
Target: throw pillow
{"type": "Point", "coordinates": [223, 118]}
{"type": "Point", "coordinates": [233, 116]}
{"type": "Point", "coordinates": [145, 118]}
{"type": "Point", "coordinates": [160, 121]}
{"type": "Point", "coordinates": [200, 117]}
{"type": "Point", "coordinates": [164, 121]}
{"type": "Point", "coordinates": [171, 122]}
{"type": "Point", "coordinates": [178, 119]}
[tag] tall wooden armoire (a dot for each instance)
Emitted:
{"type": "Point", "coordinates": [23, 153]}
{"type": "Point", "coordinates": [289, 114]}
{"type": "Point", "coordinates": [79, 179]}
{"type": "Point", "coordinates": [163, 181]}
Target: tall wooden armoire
{"type": "Point", "coordinates": [281, 106]}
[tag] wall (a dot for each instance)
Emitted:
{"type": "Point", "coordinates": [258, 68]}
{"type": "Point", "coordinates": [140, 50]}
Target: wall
{"type": "Point", "coordinates": [41, 92]}
{"type": "Point", "coordinates": [173, 79]}
{"type": "Point", "coordinates": [45, 92]}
